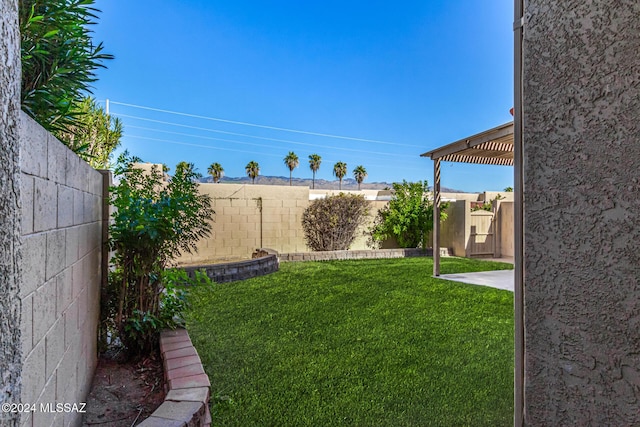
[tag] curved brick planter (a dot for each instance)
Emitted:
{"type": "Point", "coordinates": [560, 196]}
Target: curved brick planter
{"type": "Point", "coordinates": [187, 400]}
{"type": "Point", "coordinates": [264, 261]}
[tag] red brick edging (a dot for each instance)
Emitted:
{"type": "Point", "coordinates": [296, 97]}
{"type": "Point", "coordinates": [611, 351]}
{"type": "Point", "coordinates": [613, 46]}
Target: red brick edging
{"type": "Point", "coordinates": [186, 383]}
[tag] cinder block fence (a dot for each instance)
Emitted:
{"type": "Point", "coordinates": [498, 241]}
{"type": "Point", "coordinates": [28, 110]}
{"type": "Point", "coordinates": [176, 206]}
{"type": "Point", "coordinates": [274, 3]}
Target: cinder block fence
{"type": "Point", "coordinates": [62, 222]}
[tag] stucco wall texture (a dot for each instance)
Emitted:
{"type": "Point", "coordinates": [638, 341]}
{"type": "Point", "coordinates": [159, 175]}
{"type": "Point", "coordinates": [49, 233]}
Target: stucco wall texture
{"type": "Point", "coordinates": [581, 134]}
{"type": "Point", "coordinates": [10, 251]}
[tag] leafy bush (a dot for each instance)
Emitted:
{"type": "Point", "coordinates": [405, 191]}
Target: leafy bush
{"type": "Point", "coordinates": [154, 221]}
{"type": "Point", "coordinates": [59, 59]}
{"type": "Point", "coordinates": [488, 206]}
{"type": "Point", "coordinates": [142, 327]}
{"type": "Point", "coordinates": [94, 135]}
{"type": "Point", "coordinates": [408, 217]}
{"type": "Point", "coordinates": [330, 224]}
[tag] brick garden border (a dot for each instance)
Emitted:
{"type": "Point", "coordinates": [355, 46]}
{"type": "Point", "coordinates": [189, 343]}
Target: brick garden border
{"type": "Point", "coordinates": [264, 261]}
{"type": "Point", "coordinates": [360, 254]}
{"type": "Point", "coordinates": [187, 385]}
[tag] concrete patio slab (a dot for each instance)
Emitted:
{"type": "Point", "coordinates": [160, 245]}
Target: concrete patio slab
{"type": "Point", "coordinates": [500, 279]}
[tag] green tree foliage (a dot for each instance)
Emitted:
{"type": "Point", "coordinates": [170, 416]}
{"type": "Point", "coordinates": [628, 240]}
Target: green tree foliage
{"type": "Point", "coordinates": [483, 207]}
{"type": "Point", "coordinates": [93, 135]}
{"type": "Point", "coordinates": [154, 221]}
{"type": "Point", "coordinates": [487, 206]}
{"type": "Point", "coordinates": [190, 168]}
{"type": "Point", "coordinates": [408, 217]}
{"type": "Point", "coordinates": [508, 190]}
{"type": "Point", "coordinates": [59, 60]}
{"type": "Point", "coordinates": [330, 224]}
{"type": "Point", "coordinates": [359, 173]}
{"type": "Point", "coordinates": [340, 170]}
{"type": "Point", "coordinates": [292, 162]}
{"type": "Point", "coordinates": [314, 165]}
{"type": "Point", "coordinates": [253, 170]}
{"type": "Point", "coordinates": [216, 171]}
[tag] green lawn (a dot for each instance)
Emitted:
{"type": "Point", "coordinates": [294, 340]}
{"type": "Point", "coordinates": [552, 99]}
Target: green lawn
{"type": "Point", "coordinates": [362, 343]}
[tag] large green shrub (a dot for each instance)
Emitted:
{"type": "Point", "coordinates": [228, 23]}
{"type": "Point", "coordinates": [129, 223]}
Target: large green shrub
{"type": "Point", "coordinates": [408, 217]}
{"type": "Point", "coordinates": [153, 222]}
{"type": "Point", "coordinates": [330, 224]}
{"type": "Point", "coordinates": [59, 60]}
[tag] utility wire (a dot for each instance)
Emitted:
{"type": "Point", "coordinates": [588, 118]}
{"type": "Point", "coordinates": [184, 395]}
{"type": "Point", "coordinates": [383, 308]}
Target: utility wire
{"type": "Point", "coordinates": [199, 145]}
{"type": "Point", "coordinates": [327, 160]}
{"type": "Point", "coordinates": [262, 126]}
{"type": "Point", "coordinates": [248, 143]}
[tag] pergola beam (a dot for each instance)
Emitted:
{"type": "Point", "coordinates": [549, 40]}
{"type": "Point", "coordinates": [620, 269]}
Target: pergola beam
{"type": "Point", "coordinates": [491, 147]}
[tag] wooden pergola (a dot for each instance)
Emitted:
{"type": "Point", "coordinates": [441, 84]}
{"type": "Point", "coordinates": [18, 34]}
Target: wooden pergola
{"type": "Point", "coordinates": [491, 147]}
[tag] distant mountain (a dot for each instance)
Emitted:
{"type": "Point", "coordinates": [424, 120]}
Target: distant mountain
{"type": "Point", "coordinates": [321, 184]}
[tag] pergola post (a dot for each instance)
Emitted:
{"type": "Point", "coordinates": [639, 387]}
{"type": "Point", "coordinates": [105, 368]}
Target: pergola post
{"type": "Point", "coordinates": [436, 217]}
{"type": "Point", "coordinates": [491, 147]}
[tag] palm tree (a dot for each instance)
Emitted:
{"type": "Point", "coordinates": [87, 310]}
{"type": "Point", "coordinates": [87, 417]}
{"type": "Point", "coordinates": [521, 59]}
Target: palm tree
{"type": "Point", "coordinates": [184, 165]}
{"type": "Point", "coordinates": [253, 170]}
{"type": "Point", "coordinates": [359, 173]}
{"type": "Point", "coordinates": [340, 170]}
{"type": "Point", "coordinates": [292, 162]}
{"type": "Point", "coordinates": [187, 168]}
{"type": "Point", "coordinates": [314, 164]}
{"type": "Point", "coordinates": [216, 171]}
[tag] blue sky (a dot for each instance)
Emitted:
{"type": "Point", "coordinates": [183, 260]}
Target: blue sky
{"type": "Point", "coordinates": [400, 77]}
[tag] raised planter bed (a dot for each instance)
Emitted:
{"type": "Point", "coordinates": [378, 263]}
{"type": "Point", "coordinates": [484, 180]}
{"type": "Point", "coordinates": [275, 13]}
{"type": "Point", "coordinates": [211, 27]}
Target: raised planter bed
{"type": "Point", "coordinates": [187, 400]}
{"type": "Point", "coordinates": [264, 261]}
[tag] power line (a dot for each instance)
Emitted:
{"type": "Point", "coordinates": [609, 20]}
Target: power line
{"type": "Point", "coordinates": [239, 151]}
{"type": "Point", "coordinates": [194, 136]}
{"type": "Point", "coordinates": [247, 136]}
{"type": "Point", "coordinates": [261, 126]}
{"type": "Point", "coordinates": [199, 145]}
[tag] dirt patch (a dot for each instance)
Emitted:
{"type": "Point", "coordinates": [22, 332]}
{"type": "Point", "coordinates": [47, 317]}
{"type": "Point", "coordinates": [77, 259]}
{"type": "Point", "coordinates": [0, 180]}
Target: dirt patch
{"type": "Point", "coordinates": [124, 394]}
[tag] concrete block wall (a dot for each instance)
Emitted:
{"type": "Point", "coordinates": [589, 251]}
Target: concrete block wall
{"type": "Point", "coordinates": [255, 216]}
{"type": "Point", "coordinates": [61, 198]}
{"type": "Point", "coordinates": [252, 216]}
